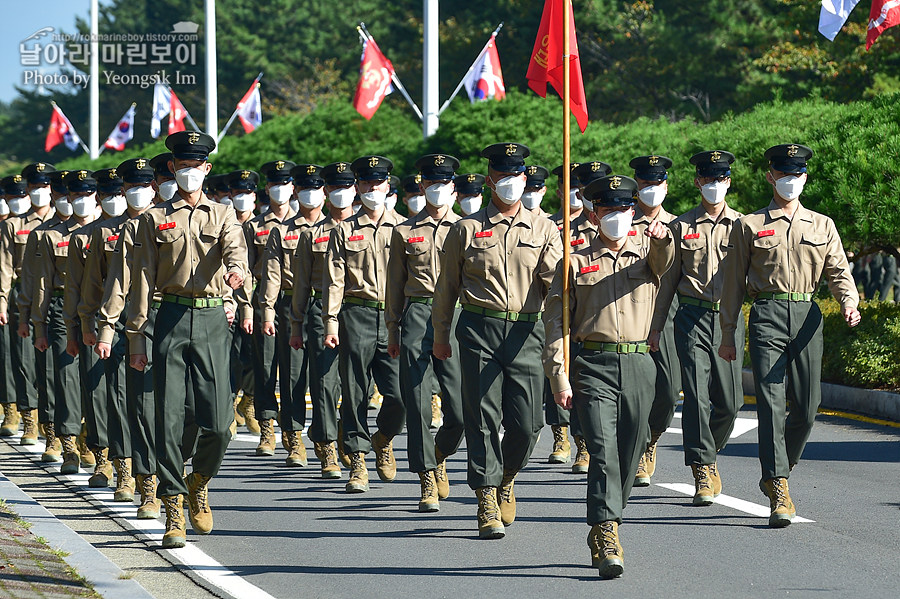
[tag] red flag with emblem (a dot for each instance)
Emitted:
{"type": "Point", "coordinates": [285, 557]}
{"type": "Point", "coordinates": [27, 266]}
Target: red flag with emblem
{"type": "Point", "coordinates": [375, 75]}
{"type": "Point", "coordinates": [177, 114]}
{"type": "Point", "coordinates": [884, 14]}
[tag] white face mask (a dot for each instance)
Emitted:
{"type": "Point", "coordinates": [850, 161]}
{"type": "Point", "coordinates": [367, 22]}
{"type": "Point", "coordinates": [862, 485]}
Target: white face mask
{"type": "Point", "coordinates": [616, 225]}
{"type": "Point", "coordinates": [342, 197]}
{"type": "Point", "coordinates": [63, 207]}
{"type": "Point", "coordinates": [470, 205]}
{"type": "Point", "coordinates": [243, 202]}
{"type": "Point", "coordinates": [190, 179]}
{"type": "Point", "coordinates": [415, 204]}
{"type": "Point", "coordinates": [510, 189]}
{"type": "Point", "coordinates": [226, 201]}
{"type": "Point", "coordinates": [281, 194]}
{"type": "Point", "coordinates": [85, 206]}
{"type": "Point", "coordinates": [587, 205]}
{"type": "Point", "coordinates": [440, 194]}
{"type": "Point", "coordinates": [373, 199]}
{"type": "Point", "coordinates": [19, 205]}
{"type": "Point", "coordinates": [40, 197]}
{"type": "Point", "coordinates": [390, 202]}
{"type": "Point", "coordinates": [790, 187]}
{"type": "Point", "coordinates": [653, 195]}
{"type": "Point", "coordinates": [4, 208]}
{"type": "Point", "coordinates": [714, 192]}
{"type": "Point", "coordinates": [167, 190]}
{"type": "Point", "coordinates": [356, 208]}
{"type": "Point", "coordinates": [294, 205]}
{"type": "Point", "coordinates": [575, 200]}
{"type": "Point", "coordinates": [311, 198]}
{"type": "Point", "coordinates": [139, 198]}
{"type": "Point", "coordinates": [114, 205]}
{"type": "Point", "coordinates": [531, 199]}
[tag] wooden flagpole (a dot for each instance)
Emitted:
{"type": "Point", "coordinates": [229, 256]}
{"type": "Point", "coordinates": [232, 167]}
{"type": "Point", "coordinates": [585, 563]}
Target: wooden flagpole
{"type": "Point", "coordinates": [567, 5]}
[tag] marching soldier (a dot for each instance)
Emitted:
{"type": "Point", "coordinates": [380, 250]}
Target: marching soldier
{"type": "Point", "coordinates": [498, 264]}
{"type": "Point", "coordinates": [11, 417]}
{"type": "Point", "coordinates": [535, 188]}
{"type": "Point", "coordinates": [412, 194]}
{"type": "Point", "coordinates": [612, 283]}
{"type": "Point", "coordinates": [778, 256]}
{"type": "Point", "coordinates": [353, 310]}
{"type": "Point", "coordinates": [469, 192]}
{"type": "Point", "coordinates": [413, 270]}
{"type": "Point", "coordinates": [191, 250]}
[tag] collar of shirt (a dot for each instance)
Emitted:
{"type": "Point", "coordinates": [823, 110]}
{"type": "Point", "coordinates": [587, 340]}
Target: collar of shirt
{"type": "Point", "coordinates": [522, 217]}
{"type": "Point", "coordinates": [801, 213]}
{"type": "Point", "coordinates": [641, 218]}
{"type": "Point", "coordinates": [363, 220]}
{"type": "Point", "coordinates": [204, 203]}
{"type": "Point", "coordinates": [728, 215]}
{"type": "Point", "coordinates": [600, 249]}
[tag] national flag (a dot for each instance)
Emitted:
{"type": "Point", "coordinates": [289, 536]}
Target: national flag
{"type": "Point", "coordinates": [546, 65]}
{"type": "Point", "coordinates": [61, 131]}
{"type": "Point", "coordinates": [833, 15]}
{"type": "Point", "coordinates": [249, 109]}
{"type": "Point", "coordinates": [123, 133]}
{"type": "Point", "coordinates": [485, 80]}
{"type": "Point", "coordinates": [162, 105]}
{"type": "Point", "coordinates": [375, 75]}
{"type": "Point", "coordinates": [884, 14]}
{"type": "Point", "coordinates": [177, 114]}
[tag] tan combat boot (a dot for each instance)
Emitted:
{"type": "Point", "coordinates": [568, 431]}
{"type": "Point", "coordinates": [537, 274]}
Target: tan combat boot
{"type": "Point", "coordinates": [647, 465]}
{"type": "Point", "coordinates": [176, 527]}
{"type": "Point", "coordinates": [582, 457]}
{"type": "Point", "coordinates": [198, 503]}
{"type": "Point", "coordinates": [783, 511]}
{"type": "Point", "coordinates": [606, 551]}
{"type": "Point", "coordinates": [238, 416]}
{"type": "Point", "coordinates": [716, 479]}
{"type": "Point", "coordinates": [327, 455]}
{"type": "Point", "coordinates": [296, 449]}
{"type": "Point", "coordinates": [149, 508]}
{"type": "Point", "coordinates": [359, 475]}
{"type": "Point", "coordinates": [103, 469]}
{"type": "Point", "coordinates": [437, 418]}
{"type": "Point", "coordinates": [489, 524]}
{"type": "Point", "coordinates": [248, 409]}
{"type": "Point", "coordinates": [11, 420]}
{"type": "Point", "coordinates": [562, 449]}
{"type": "Point", "coordinates": [703, 485]}
{"type": "Point", "coordinates": [506, 498]}
{"type": "Point", "coordinates": [85, 455]}
{"type": "Point", "coordinates": [342, 451]}
{"type": "Point", "coordinates": [385, 464]}
{"type": "Point", "coordinates": [376, 400]}
{"type": "Point", "coordinates": [29, 428]}
{"type": "Point", "coordinates": [53, 447]}
{"type": "Point", "coordinates": [124, 481]}
{"type": "Point", "coordinates": [440, 475]}
{"type": "Point", "coordinates": [71, 461]}
{"type": "Point", "coordinates": [266, 437]}
{"type": "Point", "coordinates": [429, 501]}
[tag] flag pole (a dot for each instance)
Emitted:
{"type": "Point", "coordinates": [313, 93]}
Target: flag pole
{"type": "Point", "coordinates": [233, 114]}
{"type": "Point", "coordinates": [462, 82]}
{"type": "Point", "coordinates": [365, 36]}
{"type": "Point", "coordinates": [80, 141]}
{"type": "Point", "coordinates": [567, 7]}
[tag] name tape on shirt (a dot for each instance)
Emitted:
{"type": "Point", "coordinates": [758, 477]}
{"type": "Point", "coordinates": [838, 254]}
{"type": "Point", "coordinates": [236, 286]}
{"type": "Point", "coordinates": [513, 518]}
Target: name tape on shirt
{"type": "Point", "coordinates": [766, 233]}
{"type": "Point", "coordinates": [632, 233]}
{"type": "Point", "coordinates": [575, 242]}
{"type": "Point", "coordinates": [112, 238]}
{"type": "Point", "coordinates": [321, 239]}
{"type": "Point", "coordinates": [166, 226]}
{"type": "Point", "coordinates": [415, 240]}
{"type": "Point", "coordinates": [481, 234]}
{"type": "Point", "coordinates": [62, 244]}
{"type": "Point", "coordinates": [23, 232]}
{"type": "Point", "coordinates": [291, 237]}
{"type": "Point", "coordinates": [263, 232]}
{"type": "Point", "coordinates": [692, 236]}
{"type": "Point", "coordinates": [356, 238]}
{"type": "Point", "coordinates": [592, 268]}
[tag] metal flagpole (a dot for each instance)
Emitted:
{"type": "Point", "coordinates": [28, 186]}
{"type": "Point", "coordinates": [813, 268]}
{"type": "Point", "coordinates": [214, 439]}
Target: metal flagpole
{"type": "Point", "coordinates": [567, 6]}
{"type": "Point", "coordinates": [234, 114]}
{"type": "Point", "coordinates": [94, 133]}
{"type": "Point", "coordinates": [212, 101]}
{"type": "Point", "coordinates": [484, 50]}
{"type": "Point", "coordinates": [365, 36]}
{"type": "Point", "coordinates": [430, 68]}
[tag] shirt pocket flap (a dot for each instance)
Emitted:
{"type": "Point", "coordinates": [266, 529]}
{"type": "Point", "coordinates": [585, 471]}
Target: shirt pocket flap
{"type": "Point", "coordinates": [691, 245]}
{"type": "Point", "coordinates": [168, 235]}
{"type": "Point", "coordinates": [815, 238]}
{"type": "Point", "coordinates": [766, 243]}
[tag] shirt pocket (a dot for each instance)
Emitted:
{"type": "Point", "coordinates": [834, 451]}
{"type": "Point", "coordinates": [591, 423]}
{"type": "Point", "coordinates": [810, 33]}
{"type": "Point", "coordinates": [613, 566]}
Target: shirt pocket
{"type": "Point", "coordinates": [169, 235]}
{"type": "Point", "coordinates": [484, 256]}
{"type": "Point", "coordinates": [418, 252]}
{"type": "Point", "coordinates": [767, 251]}
{"type": "Point", "coordinates": [812, 248]}
{"type": "Point", "coordinates": [528, 252]}
{"type": "Point", "coordinates": [692, 253]}
{"type": "Point", "coordinates": [356, 253]}
{"type": "Point", "coordinates": [640, 282]}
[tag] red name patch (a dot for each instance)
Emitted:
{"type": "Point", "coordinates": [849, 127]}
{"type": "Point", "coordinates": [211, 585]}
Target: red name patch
{"type": "Point", "coordinates": [766, 233]}
{"type": "Point", "coordinates": [291, 237]}
{"type": "Point", "coordinates": [559, 227]}
{"type": "Point", "coordinates": [356, 238]}
{"type": "Point", "coordinates": [23, 232]}
{"type": "Point", "coordinates": [321, 239]}
{"type": "Point", "coordinates": [591, 268]}
{"type": "Point", "coordinates": [112, 238]}
{"type": "Point", "coordinates": [415, 239]}
{"type": "Point", "coordinates": [480, 234]}
{"type": "Point", "coordinates": [166, 226]}
{"type": "Point", "coordinates": [692, 236]}
{"type": "Point", "coordinates": [87, 246]}
{"type": "Point", "coordinates": [632, 233]}
{"type": "Point", "coordinates": [261, 233]}
{"type": "Point", "coordinates": [62, 244]}
{"type": "Point", "coordinates": [577, 242]}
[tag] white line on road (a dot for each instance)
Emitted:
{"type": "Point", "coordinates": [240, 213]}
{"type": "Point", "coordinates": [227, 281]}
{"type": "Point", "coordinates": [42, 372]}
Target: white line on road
{"type": "Point", "coordinates": [741, 426]}
{"type": "Point", "coordinates": [747, 507]}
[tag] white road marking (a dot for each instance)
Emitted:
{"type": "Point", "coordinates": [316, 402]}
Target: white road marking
{"type": "Point", "coordinates": [741, 426]}
{"type": "Point", "coordinates": [748, 507]}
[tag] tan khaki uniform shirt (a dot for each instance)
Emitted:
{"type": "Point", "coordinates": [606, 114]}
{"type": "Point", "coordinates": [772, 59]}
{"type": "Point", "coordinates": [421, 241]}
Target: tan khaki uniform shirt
{"type": "Point", "coordinates": [79, 247]}
{"type": "Point", "coordinates": [15, 233]}
{"type": "Point", "coordinates": [611, 298]}
{"type": "Point", "coordinates": [701, 245]}
{"type": "Point", "coordinates": [356, 265]}
{"type": "Point", "coordinates": [309, 269]}
{"type": "Point", "coordinates": [771, 253]}
{"type": "Point", "coordinates": [415, 263]}
{"type": "Point", "coordinates": [182, 250]}
{"type": "Point", "coordinates": [277, 263]}
{"type": "Point", "coordinates": [51, 260]}
{"type": "Point", "coordinates": [102, 247]}
{"type": "Point", "coordinates": [495, 262]}
{"type": "Point", "coordinates": [256, 236]}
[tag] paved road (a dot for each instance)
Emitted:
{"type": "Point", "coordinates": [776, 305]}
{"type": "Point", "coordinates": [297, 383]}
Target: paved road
{"type": "Point", "coordinates": [294, 535]}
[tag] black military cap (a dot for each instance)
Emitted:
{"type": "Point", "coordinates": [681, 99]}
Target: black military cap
{"type": "Point", "coordinates": [338, 174]}
{"type": "Point", "coordinates": [411, 183]}
{"type": "Point", "coordinates": [190, 145]}
{"type": "Point", "coordinates": [108, 181]}
{"type": "Point", "coordinates": [535, 176]}
{"type": "Point", "coordinates": [38, 173]}
{"type": "Point", "coordinates": [587, 172]}
{"type": "Point", "coordinates": [242, 180]}
{"type": "Point", "coordinates": [136, 170]}
{"type": "Point", "coordinates": [612, 191]}
{"type": "Point", "coordinates": [14, 186]}
{"type": "Point", "coordinates": [80, 181]}
{"type": "Point", "coordinates": [506, 157]}
{"type": "Point", "coordinates": [651, 168]}
{"type": "Point", "coordinates": [437, 167]}
{"type": "Point", "coordinates": [789, 158]}
{"type": "Point", "coordinates": [278, 171]}
{"type": "Point", "coordinates": [56, 181]}
{"type": "Point", "coordinates": [395, 185]}
{"type": "Point", "coordinates": [714, 163]}
{"type": "Point", "coordinates": [160, 164]}
{"type": "Point", "coordinates": [217, 183]}
{"type": "Point", "coordinates": [307, 175]}
{"type": "Point", "coordinates": [573, 178]}
{"type": "Point", "coordinates": [372, 168]}
{"type": "Point", "coordinates": [469, 184]}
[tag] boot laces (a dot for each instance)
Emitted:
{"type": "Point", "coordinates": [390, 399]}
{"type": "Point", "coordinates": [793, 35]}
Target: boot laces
{"type": "Point", "coordinates": [440, 473]}
{"type": "Point", "coordinates": [329, 455]}
{"type": "Point", "coordinates": [357, 465]}
{"type": "Point", "coordinates": [703, 479]}
{"type": "Point", "coordinates": [174, 515]}
{"type": "Point", "coordinates": [148, 490]}
{"type": "Point", "coordinates": [383, 457]}
{"type": "Point", "coordinates": [651, 452]}
{"type": "Point", "coordinates": [505, 490]}
{"type": "Point", "coordinates": [642, 465]}
{"type": "Point", "coordinates": [582, 449]}
{"type": "Point", "coordinates": [201, 492]}
{"type": "Point", "coordinates": [428, 487]}
{"type": "Point", "coordinates": [559, 438]}
{"type": "Point", "coordinates": [779, 494]}
{"type": "Point", "coordinates": [488, 504]}
{"type": "Point", "coordinates": [609, 539]}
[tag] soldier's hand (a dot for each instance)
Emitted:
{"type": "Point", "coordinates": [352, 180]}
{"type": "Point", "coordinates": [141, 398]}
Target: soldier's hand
{"type": "Point", "coordinates": [563, 399]}
{"type": "Point", "coordinates": [229, 315]}
{"type": "Point", "coordinates": [269, 329]}
{"type": "Point", "coordinates": [24, 333]}
{"type": "Point", "coordinates": [41, 344]}
{"type": "Point", "coordinates": [296, 342]}
{"type": "Point", "coordinates": [89, 338]}
{"type": "Point", "coordinates": [103, 350]}
{"type": "Point", "coordinates": [234, 280]}
{"type": "Point", "coordinates": [728, 353]}
{"type": "Point", "coordinates": [331, 341]}
{"type": "Point", "coordinates": [442, 351]}
{"type": "Point", "coordinates": [138, 361]}
{"type": "Point", "coordinates": [653, 340]}
{"type": "Point", "coordinates": [72, 348]}
{"type": "Point", "coordinates": [394, 350]}
{"type": "Point", "coordinates": [4, 319]}
{"type": "Point", "coordinates": [247, 326]}
{"type": "Point", "coordinates": [852, 316]}
{"type": "Point", "coordinates": [656, 230]}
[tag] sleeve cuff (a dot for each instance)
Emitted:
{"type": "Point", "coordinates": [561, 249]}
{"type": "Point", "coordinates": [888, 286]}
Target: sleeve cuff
{"type": "Point", "coordinates": [4, 306]}
{"type": "Point", "coordinates": [72, 332]}
{"type": "Point", "coordinates": [40, 330]}
{"type": "Point", "coordinates": [105, 335]}
{"type": "Point", "coordinates": [268, 315]}
{"type": "Point", "coordinates": [559, 382]}
{"type": "Point", "coordinates": [296, 328]}
{"type": "Point", "coordinates": [137, 344]}
{"type": "Point", "coordinates": [727, 338]}
{"type": "Point", "coordinates": [246, 312]}
{"type": "Point", "coordinates": [393, 336]}
{"type": "Point", "coordinates": [88, 323]}
{"type": "Point", "coordinates": [331, 327]}
{"type": "Point", "coordinates": [442, 337]}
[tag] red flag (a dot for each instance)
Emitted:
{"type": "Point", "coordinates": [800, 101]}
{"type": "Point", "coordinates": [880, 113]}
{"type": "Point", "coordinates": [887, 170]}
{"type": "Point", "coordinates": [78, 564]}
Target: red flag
{"type": "Point", "coordinates": [546, 64]}
{"type": "Point", "coordinates": [884, 14]}
{"type": "Point", "coordinates": [177, 113]}
{"type": "Point", "coordinates": [375, 74]}
{"type": "Point", "coordinates": [61, 131]}
{"type": "Point", "coordinates": [250, 108]}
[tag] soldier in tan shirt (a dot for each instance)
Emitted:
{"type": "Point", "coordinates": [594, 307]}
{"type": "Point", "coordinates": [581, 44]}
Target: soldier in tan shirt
{"type": "Point", "coordinates": [469, 192]}
{"type": "Point", "coordinates": [612, 284]}
{"type": "Point", "coordinates": [535, 188]}
{"type": "Point", "coordinates": [498, 264]}
{"type": "Point", "coordinates": [778, 257]}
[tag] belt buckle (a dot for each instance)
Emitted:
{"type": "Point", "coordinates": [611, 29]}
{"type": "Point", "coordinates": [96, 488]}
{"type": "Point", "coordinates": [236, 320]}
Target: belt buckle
{"type": "Point", "coordinates": [512, 316]}
{"type": "Point", "coordinates": [201, 302]}
{"type": "Point", "coordinates": [622, 348]}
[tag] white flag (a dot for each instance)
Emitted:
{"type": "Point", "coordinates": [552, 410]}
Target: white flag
{"type": "Point", "coordinates": [249, 109]}
{"type": "Point", "coordinates": [162, 104]}
{"type": "Point", "coordinates": [485, 81]}
{"type": "Point", "coordinates": [833, 15]}
{"type": "Point", "coordinates": [123, 133]}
